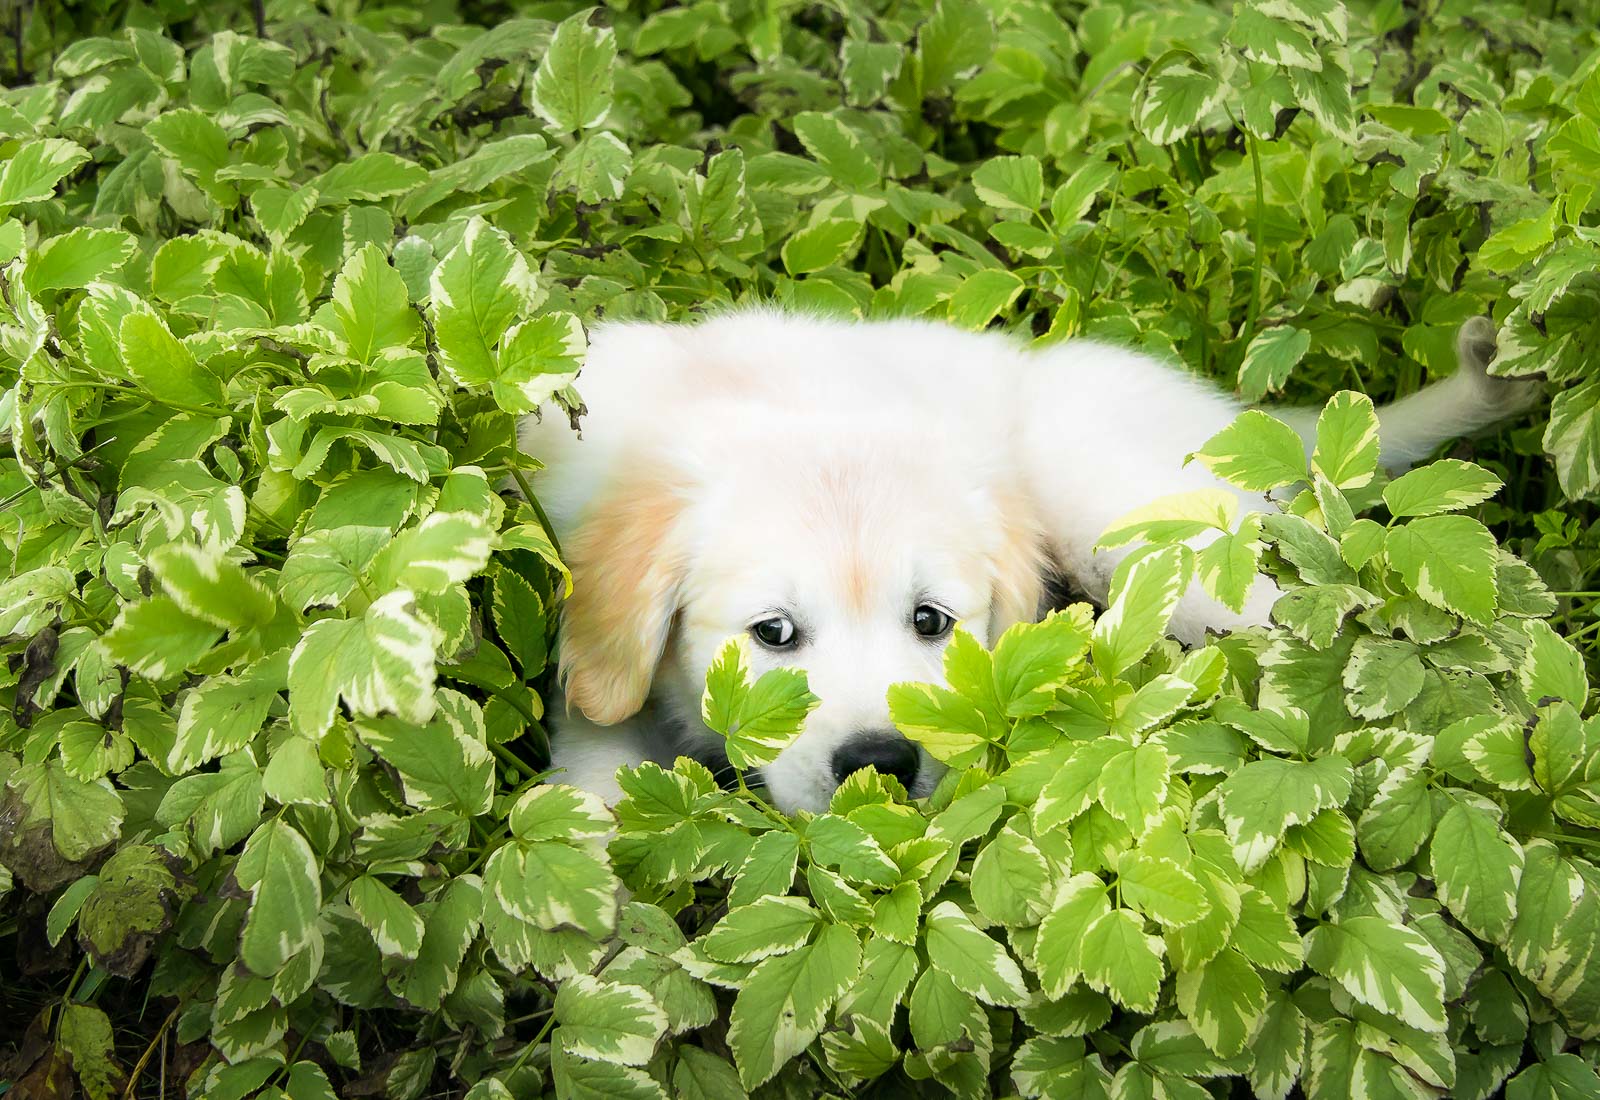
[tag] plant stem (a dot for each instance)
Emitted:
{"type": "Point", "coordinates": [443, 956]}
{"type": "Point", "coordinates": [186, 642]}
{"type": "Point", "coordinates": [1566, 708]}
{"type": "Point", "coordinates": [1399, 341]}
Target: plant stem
{"type": "Point", "coordinates": [144, 1059]}
{"type": "Point", "coordinates": [1260, 232]}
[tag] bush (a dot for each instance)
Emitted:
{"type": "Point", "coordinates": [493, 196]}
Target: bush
{"type": "Point", "coordinates": [274, 295]}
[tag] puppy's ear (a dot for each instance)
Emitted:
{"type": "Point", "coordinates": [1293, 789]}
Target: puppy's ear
{"type": "Point", "coordinates": [627, 564]}
{"type": "Point", "coordinates": [1018, 565]}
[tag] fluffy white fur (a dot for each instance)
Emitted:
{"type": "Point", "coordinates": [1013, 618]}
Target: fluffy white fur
{"type": "Point", "coordinates": [844, 473]}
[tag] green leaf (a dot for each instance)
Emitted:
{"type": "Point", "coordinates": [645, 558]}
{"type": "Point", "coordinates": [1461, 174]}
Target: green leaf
{"type": "Point", "coordinates": [324, 567]}
{"type": "Point", "coordinates": [370, 307]}
{"type": "Point", "coordinates": [445, 549]}
{"type": "Point", "coordinates": [552, 886]}
{"type": "Point", "coordinates": [85, 1036]}
{"type": "Point", "coordinates": [1011, 879]}
{"type": "Point", "coordinates": [163, 366]}
{"type": "Point", "coordinates": [581, 1079]}
{"type": "Point", "coordinates": [1561, 1077]}
{"type": "Point", "coordinates": [769, 926]}
{"type": "Point", "coordinates": [1384, 965]}
{"type": "Point", "coordinates": [949, 726]}
{"type": "Point", "coordinates": [1347, 441]}
{"type": "Point", "coordinates": [1032, 659]}
{"type": "Point", "coordinates": [1449, 561]}
{"type": "Point", "coordinates": [282, 875]}
{"type": "Point", "coordinates": [73, 260]}
{"type": "Point", "coordinates": [975, 962]}
{"type": "Point", "coordinates": [837, 148]}
{"type": "Point", "coordinates": [1272, 41]}
{"type": "Point", "coordinates": [1133, 785]}
{"type": "Point", "coordinates": [537, 359]}
{"type": "Point", "coordinates": [443, 764]}
{"type": "Point", "coordinates": [493, 160]}
{"type": "Point", "coordinates": [1278, 1048]}
{"type": "Point", "coordinates": [1256, 452]}
{"type": "Point", "coordinates": [477, 291]}
{"type": "Point", "coordinates": [1223, 1000]}
{"type": "Point", "coordinates": [983, 296]}
{"type": "Point", "coordinates": [294, 775]}
{"type": "Point", "coordinates": [1552, 667]}
{"type": "Point", "coordinates": [957, 38]}
{"type": "Point", "coordinates": [1272, 354]}
{"type": "Point", "coordinates": [34, 169]}
{"type": "Point", "coordinates": [380, 662]}
{"type": "Point", "coordinates": [1263, 798]}
{"type": "Point", "coordinates": [1174, 518]}
{"type": "Point", "coordinates": [596, 168]}
{"type": "Point", "coordinates": [1010, 183]}
{"type": "Point", "coordinates": [157, 639]}
{"type": "Point", "coordinates": [758, 720]}
{"type": "Point", "coordinates": [1447, 485]}
{"type": "Point", "coordinates": [1143, 596]}
{"type": "Point", "coordinates": [1120, 959]}
{"type": "Point", "coordinates": [1384, 674]}
{"type": "Point", "coordinates": [198, 144]}
{"type": "Point", "coordinates": [65, 909]}
{"type": "Point", "coordinates": [553, 811]}
{"type": "Point", "coordinates": [701, 1075]}
{"type": "Point", "coordinates": [1058, 952]}
{"type": "Point", "coordinates": [1477, 869]}
{"type": "Point", "coordinates": [1398, 820]}
{"type": "Point", "coordinates": [573, 87]}
{"type": "Point", "coordinates": [768, 868]}
{"type": "Point", "coordinates": [1572, 439]}
{"type": "Point", "coordinates": [1265, 934]}
{"type": "Point", "coordinates": [450, 926]}
{"type": "Point", "coordinates": [206, 585]}
{"type": "Point", "coordinates": [821, 244]}
{"type": "Point", "coordinates": [135, 895]}
{"type": "Point", "coordinates": [1175, 96]}
{"type": "Point", "coordinates": [1160, 889]}
{"type": "Point", "coordinates": [608, 1022]}
{"type": "Point", "coordinates": [395, 925]}
{"type": "Point", "coordinates": [279, 211]}
{"type": "Point", "coordinates": [367, 178]}
{"type": "Point", "coordinates": [784, 1002]}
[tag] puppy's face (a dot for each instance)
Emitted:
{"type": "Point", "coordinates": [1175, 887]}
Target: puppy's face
{"type": "Point", "coordinates": [854, 564]}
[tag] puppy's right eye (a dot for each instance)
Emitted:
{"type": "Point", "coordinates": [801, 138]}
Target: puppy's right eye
{"type": "Point", "coordinates": [775, 633]}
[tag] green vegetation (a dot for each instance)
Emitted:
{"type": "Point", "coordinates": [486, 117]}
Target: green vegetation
{"type": "Point", "coordinates": [276, 286]}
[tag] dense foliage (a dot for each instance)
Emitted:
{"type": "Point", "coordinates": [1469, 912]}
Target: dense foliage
{"type": "Point", "coordinates": [276, 286]}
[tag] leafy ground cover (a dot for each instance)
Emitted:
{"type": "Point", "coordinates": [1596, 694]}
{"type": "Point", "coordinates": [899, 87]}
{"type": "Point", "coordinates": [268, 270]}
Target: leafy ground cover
{"type": "Point", "coordinates": [277, 285]}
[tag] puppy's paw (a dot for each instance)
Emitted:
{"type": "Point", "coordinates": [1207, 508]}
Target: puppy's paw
{"type": "Point", "coordinates": [1476, 342]}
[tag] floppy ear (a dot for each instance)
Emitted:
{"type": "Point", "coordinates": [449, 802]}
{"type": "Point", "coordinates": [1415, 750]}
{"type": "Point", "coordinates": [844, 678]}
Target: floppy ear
{"type": "Point", "coordinates": [1018, 565]}
{"type": "Point", "coordinates": [627, 564]}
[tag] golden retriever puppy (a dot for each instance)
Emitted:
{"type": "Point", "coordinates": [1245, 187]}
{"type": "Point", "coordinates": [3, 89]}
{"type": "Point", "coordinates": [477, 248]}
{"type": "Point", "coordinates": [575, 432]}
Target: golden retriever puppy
{"type": "Point", "coordinates": [844, 493]}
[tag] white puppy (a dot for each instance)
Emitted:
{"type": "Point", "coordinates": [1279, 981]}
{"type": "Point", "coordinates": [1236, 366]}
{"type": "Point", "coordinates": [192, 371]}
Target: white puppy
{"type": "Point", "coordinates": [844, 493]}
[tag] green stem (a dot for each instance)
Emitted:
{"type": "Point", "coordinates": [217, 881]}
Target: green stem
{"type": "Point", "coordinates": [128, 392]}
{"type": "Point", "coordinates": [529, 1049]}
{"type": "Point", "coordinates": [1094, 272]}
{"type": "Point", "coordinates": [1260, 232]}
{"type": "Point", "coordinates": [533, 502]}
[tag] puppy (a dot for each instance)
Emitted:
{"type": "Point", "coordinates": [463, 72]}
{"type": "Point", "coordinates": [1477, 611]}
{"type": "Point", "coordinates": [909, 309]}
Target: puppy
{"type": "Point", "coordinates": [845, 493]}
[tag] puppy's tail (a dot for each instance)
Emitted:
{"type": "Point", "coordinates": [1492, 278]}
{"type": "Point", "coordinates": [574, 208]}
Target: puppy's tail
{"type": "Point", "coordinates": [1467, 402]}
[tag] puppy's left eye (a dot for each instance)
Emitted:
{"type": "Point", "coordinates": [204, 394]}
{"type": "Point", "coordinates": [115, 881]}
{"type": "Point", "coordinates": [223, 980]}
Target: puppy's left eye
{"type": "Point", "coordinates": [775, 633]}
{"type": "Point", "coordinates": [930, 622]}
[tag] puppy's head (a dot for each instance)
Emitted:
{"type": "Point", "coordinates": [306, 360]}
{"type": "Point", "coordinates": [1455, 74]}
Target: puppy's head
{"type": "Point", "coordinates": [851, 555]}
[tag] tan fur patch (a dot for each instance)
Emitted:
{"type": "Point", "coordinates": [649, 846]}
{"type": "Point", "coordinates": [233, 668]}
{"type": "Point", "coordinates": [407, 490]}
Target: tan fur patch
{"type": "Point", "coordinates": [625, 572]}
{"type": "Point", "coordinates": [1019, 563]}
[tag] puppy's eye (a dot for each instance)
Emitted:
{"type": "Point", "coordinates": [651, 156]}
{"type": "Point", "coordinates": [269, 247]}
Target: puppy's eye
{"type": "Point", "coordinates": [930, 622]}
{"type": "Point", "coordinates": [775, 633]}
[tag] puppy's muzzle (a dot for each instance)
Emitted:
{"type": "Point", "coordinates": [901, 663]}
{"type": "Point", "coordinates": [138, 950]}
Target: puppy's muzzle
{"type": "Point", "coordinates": [885, 750]}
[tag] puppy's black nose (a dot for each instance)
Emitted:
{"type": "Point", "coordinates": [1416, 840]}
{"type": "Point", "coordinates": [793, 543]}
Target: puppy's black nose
{"type": "Point", "coordinates": [887, 751]}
